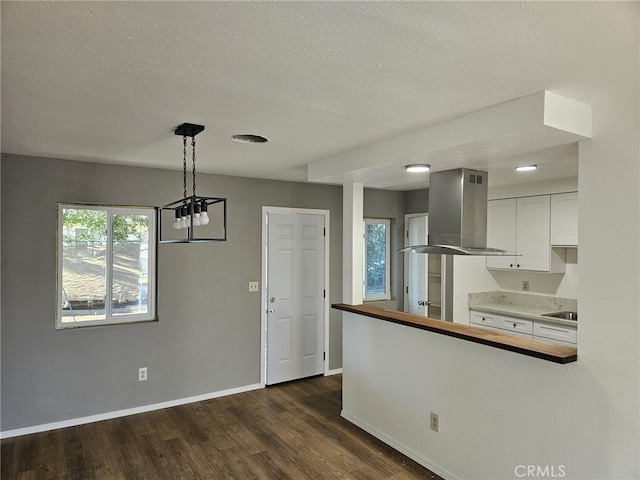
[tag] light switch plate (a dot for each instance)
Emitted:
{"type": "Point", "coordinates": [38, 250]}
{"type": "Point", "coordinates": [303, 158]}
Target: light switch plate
{"type": "Point", "coordinates": [254, 286]}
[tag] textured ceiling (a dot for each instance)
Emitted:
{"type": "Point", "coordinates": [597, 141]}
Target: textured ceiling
{"type": "Point", "coordinates": [110, 81]}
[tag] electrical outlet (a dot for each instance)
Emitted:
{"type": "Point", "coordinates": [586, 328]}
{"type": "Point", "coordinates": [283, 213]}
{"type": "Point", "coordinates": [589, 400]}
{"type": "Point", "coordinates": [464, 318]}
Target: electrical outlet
{"type": "Point", "coordinates": [142, 374]}
{"type": "Point", "coordinates": [253, 286]}
{"type": "Point", "coordinates": [525, 286]}
{"type": "Point", "coordinates": [435, 422]}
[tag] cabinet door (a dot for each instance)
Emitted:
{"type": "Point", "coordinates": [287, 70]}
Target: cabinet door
{"type": "Point", "coordinates": [564, 219]}
{"type": "Point", "coordinates": [501, 231]}
{"type": "Point", "coordinates": [532, 233]}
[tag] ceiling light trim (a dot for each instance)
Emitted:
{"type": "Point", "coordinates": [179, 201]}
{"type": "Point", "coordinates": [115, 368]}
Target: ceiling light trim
{"type": "Point", "coordinates": [248, 138]}
{"type": "Point", "coordinates": [418, 168]}
{"type": "Point", "coordinates": [526, 168]}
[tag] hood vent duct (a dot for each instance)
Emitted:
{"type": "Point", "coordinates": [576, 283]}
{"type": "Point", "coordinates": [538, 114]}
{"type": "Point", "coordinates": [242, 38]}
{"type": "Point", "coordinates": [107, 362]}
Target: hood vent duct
{"type": "Point", "coordinates": [458, 215]}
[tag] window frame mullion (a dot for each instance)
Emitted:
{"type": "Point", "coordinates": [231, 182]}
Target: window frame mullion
{"type": "Point", "coordinates": [108, 299]}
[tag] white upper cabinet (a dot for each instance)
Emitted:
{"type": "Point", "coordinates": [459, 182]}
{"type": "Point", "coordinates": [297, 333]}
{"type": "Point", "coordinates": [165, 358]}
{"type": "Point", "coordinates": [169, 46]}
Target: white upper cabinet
{"type": "Point", "coordinates": [564, 219]}
{"type": "Point", "coordinates": [523, 225]}
{"type": "Point", "coordinates": [501, 231]}
{"type": "Point", "coordinates": [532, 233]}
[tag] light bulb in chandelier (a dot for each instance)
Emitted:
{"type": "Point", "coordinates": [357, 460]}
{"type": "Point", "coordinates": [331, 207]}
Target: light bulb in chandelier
{"type": "Point", "coordinates": [196, 215]}
{"type": "Point", "coordinates": [183, 217]}
{"type": "Point", "coordinates": [176, 223]}
{"type": "Point", "coordinates": [204, 217]}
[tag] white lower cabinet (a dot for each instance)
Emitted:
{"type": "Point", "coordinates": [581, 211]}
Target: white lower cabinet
{"type": "Point", "coordinates": [561, 334]}
{"type": "Point", "coordinates": [517, 325]}
{"type": "Point", "coordinates": [484, 319]}
{"type": "Point", "coordinates": [555, 333]}
{"type": "Point", "coordinates": [500, 323]}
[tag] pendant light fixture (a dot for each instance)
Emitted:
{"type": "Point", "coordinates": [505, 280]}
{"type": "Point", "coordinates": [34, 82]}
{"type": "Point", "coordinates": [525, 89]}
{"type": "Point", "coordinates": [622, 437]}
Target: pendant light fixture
{"type": "Point", "coordinates": [189, 217]}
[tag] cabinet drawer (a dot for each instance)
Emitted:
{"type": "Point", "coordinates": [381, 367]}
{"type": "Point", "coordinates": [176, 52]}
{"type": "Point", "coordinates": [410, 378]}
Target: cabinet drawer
{"type": "Point", "coordinates": [483, 319]}
{"type": "Point", "coordinates": [555, 332]}
{"type": "Point", "coordinates": [516, 325]}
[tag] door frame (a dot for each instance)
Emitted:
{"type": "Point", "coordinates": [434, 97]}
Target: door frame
{"type": "Point", "coordinates": [264, 301]}
{"type": "Point", "coordinates": [446, 312]}
{"type": "Point", "coordinates": [405, 292]}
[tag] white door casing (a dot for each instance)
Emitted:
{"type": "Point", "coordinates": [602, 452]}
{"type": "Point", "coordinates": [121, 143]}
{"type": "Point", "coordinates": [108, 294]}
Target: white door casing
{"type": "Point", "coordinates": [416, 266]}
{"type": "Point", "coordinates": [295, 320]}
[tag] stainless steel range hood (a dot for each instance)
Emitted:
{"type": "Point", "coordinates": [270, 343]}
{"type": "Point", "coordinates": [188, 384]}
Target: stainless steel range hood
{"type": "Point", "coordinates": [458, 215]}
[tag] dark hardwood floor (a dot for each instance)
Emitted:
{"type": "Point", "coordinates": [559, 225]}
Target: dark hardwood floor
{"type": "Point", "coordinates": [289, 431]}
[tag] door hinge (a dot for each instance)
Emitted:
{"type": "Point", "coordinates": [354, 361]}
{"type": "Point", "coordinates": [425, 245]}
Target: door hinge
{"type": "Point", "coordinates": [324, 294]}
{"type": "Point", "coordinates": [324, 355]}
{"type": "Point", "coordinates": [324, 233]}
{"type": "Point", "coordinates": [407, 233]}
{"type": "Point", "coordinates": [407, 289]}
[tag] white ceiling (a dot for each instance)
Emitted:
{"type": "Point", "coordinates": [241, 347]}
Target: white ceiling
{"type": "Point", "coordinates": [110, 81]}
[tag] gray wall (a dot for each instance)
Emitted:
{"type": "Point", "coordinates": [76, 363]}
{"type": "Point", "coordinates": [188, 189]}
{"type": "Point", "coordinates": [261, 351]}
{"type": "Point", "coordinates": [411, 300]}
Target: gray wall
{"type": "Point", "coordinates": [417, 201]}
{"type": "Point", "coordinates": [207, 338]}
{"type": "Point", "coordinates": [390, 204]}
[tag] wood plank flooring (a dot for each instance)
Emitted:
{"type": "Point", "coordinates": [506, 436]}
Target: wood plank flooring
{"type": "Point", "coordinates": [289, 431]}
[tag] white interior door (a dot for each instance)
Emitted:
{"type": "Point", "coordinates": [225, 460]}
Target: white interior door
{"type": "Point", "coordinates": [417, 278]}
{"type": "Point", "coordinates": [295, 296]}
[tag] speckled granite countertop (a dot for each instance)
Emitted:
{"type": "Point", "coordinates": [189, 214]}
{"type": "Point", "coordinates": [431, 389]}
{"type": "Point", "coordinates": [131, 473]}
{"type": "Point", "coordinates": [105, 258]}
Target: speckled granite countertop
{"type": "Point", "coordinates": [523, 305]}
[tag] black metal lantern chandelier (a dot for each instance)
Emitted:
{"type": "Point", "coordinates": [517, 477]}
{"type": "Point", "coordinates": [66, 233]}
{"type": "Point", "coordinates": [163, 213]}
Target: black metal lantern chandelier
{"type": "Point", "coordinates": [189, 219]}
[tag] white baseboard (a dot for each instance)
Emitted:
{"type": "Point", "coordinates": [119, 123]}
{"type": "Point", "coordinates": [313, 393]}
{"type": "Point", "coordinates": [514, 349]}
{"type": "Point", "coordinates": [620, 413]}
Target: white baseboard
{"type": "Point", "coordinates": [335, 371]}
{"type": "Point", "coordinates": [412, 454]}
{"type": "Point", "coordinates": [123, 413]}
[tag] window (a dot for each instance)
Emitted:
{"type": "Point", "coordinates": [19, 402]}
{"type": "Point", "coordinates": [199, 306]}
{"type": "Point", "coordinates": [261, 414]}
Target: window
{"type": "Point", "coordinates": [106, 265]}
{"type": "Point", "coordinates": [376, 259]}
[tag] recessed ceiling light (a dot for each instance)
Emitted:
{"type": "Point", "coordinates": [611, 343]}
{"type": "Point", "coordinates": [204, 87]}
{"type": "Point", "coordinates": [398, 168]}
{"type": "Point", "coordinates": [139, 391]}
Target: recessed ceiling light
{"type": "Point", "coordinates": [248, 138]}
{"type": "Point", "coordinates": [418, 167]}
{"type": "Point", "coordinates": [526, 168]}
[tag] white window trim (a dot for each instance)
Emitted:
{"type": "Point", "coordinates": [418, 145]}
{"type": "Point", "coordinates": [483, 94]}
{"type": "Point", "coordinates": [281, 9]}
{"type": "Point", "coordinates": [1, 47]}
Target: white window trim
{"type": "Point", "coordinates": [152, 267]}
{"type": "Point", "coordinates": [387, 294]}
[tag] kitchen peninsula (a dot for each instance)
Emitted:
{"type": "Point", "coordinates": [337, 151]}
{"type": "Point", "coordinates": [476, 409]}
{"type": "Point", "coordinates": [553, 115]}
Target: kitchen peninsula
{"type": "Point", "coordinates": [398, 368]}
{"type": "Point", "coordinates": [504, 341]}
